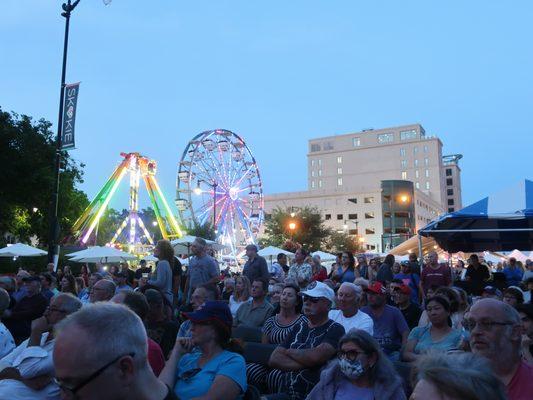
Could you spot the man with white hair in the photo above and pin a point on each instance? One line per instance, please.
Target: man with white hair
(347, 313)
(27, 372)
(103, 290)
(496, 334)
(116, 366)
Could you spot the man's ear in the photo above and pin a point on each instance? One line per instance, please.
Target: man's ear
(126, 366)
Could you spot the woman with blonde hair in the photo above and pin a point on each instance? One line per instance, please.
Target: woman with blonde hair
(241, 294)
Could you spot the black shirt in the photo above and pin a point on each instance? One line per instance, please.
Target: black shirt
(140, 271)
(256, 269)
(412, 315)
(170, 395)
(164, 334)
(478, 278)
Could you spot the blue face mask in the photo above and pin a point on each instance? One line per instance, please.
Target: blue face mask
(351, 369)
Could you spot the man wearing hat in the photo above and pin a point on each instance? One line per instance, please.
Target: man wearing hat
(491, 292)
(401, 295)
(310, 344)
(120, 278)
(390, 329)
(30, 307)
(256, 266)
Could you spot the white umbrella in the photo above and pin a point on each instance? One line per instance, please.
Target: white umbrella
(21, 250)
(102, 254)
(272, 251)
(183, 244)
(324, 256)
(150, 258)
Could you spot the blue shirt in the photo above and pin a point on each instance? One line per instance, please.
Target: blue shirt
(228, 364)
(513, 276)
(425, 342)
(349, 275)
(411, 280)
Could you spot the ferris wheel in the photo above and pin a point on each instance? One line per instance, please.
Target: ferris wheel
(219, 183)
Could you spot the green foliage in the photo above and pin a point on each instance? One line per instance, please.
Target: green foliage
(27, 179)
(309, 231)
(339, 241)
(205, 230)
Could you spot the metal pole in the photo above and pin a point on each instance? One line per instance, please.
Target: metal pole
(215, 207)
(54, 223)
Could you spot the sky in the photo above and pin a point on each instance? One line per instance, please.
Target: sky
(156, 73)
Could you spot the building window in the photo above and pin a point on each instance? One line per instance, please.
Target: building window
(315, 147)
(339, 171)
(415, 150)
(427, 185)
(425, 149)
(406, 135)
(451, 209)
(449, 181)
(404, 174)
(312, 184)
(312, 163)
(369, 200)
(320, 183)
(417, 185)
(340, 216)
(319, 172)
(386, 138)
(327, 146)
(427, 173)
(448, 172)
(404, 163)
(319, 162)
(417, 174)
(369, 215)
(352, 216)
(356, 142)
(416, 163)
(339, 160)
(313, 174)
(426, 161)
(370, 231)
(451, 202)
(450, 192)
(402, 152)
(339, 181)
(353, 200)
(352, 232)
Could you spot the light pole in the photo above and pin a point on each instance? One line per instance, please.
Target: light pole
(53, 250)
(292, 227)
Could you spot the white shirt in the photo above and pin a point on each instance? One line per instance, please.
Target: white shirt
(234, 305)
(360, 320)
(7, 344)
(31, 362)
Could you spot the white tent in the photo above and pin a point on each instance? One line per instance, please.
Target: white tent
(493, 257)
(150, 258)
(324, 256)
(101, 254)
(518, 255)
(272, 251)
(21, 250)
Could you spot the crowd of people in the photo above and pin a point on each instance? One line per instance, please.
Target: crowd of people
(365, 329)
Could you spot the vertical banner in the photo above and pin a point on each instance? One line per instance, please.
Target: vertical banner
(69, 115)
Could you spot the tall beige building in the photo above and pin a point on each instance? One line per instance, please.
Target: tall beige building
(381, 185)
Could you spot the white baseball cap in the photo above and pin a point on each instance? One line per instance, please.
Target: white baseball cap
(319, 289)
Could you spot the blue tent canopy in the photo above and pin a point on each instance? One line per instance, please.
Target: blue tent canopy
(501, 222)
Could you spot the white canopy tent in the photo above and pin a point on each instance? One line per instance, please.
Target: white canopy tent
(21, 250)
(273, 251)
(324, 256)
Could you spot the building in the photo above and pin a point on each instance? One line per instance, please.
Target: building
(380, 185)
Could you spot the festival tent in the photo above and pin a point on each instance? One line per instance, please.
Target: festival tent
(272, 251)
(324, 256)
(101, 254)
(411, 246)
(518, 255)
(183, 244)
(500, 222)
(21, 250)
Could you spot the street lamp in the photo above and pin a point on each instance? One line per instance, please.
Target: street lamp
(67, 8)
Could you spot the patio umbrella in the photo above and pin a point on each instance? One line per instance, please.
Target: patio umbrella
(21, 250)
(183, 244)
(101, 254)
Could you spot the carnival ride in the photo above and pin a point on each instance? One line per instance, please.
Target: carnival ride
(138, 167)
(219, 183)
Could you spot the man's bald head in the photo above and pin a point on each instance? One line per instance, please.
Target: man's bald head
(102, 290)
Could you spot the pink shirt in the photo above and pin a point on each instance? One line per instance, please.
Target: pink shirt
(521, 386)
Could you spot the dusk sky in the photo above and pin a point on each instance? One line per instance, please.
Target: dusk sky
(156, 73)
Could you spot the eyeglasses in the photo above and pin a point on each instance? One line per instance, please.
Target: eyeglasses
(350, 355)
(189, 374)
(71, 391)
(313, 300)
(470, 324)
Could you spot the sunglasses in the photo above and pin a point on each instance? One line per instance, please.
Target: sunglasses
(313, 300)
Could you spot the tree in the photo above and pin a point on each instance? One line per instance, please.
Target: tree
(338, 242)
(27, 179)
(205, 230)
(308, 229)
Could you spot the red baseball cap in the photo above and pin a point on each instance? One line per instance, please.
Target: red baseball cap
(377, 288)
(404, 289)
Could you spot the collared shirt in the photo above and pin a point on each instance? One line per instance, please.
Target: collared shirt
(248, 315)
(201, 270)
(7, 343)
(256, 268)
(276, 271)
(300, 272)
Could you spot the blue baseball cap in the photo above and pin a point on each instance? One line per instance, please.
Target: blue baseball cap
(217, 311)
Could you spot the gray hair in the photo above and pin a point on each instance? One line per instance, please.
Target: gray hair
(356, 288)
(460, 376)
(362, 282)
(383, 371)
(201, 242)
(114, 331)
(70, 303)
(4, 300)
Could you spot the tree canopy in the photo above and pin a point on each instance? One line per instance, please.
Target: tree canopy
(27, 179)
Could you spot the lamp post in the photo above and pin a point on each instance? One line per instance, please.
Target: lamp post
(53, 250)
(292, 227)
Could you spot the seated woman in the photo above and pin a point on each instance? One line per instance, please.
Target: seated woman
(438, 335)
(241, 294)
(214, 372)
(454, 299)
(361, 371)
(275, 331)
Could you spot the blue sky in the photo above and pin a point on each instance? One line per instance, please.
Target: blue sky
(156, 73)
